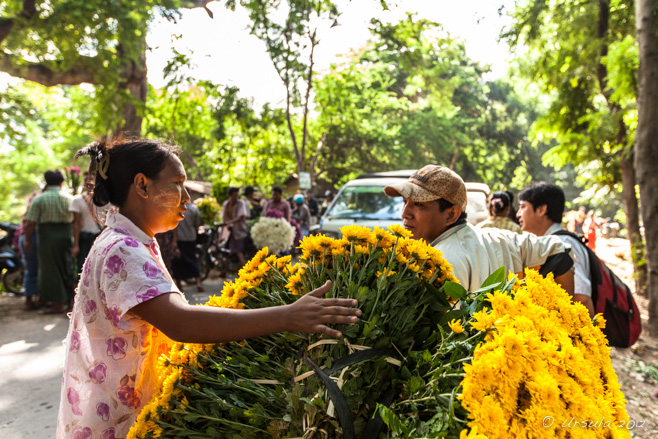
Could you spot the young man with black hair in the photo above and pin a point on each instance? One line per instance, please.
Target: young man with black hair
(541, 206)
(435, 210)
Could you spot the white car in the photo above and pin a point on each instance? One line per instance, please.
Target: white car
(362, 201)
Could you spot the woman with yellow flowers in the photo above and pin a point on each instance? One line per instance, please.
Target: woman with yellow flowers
(127, 306)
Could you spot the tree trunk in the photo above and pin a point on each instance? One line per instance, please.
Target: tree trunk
(633, 223)
(646, 145)
(136, 85)
(132, 110)
(626, 163)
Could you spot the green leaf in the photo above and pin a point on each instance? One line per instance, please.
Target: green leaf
(495, 280)
(454, 290)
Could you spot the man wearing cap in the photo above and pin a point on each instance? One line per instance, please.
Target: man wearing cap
(435, 210)
(252, 204)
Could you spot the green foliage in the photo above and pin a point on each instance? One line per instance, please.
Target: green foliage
(412, 97)
(74, 41)
(49, 127)
(586, 65)
(290, 35)
(182, 113)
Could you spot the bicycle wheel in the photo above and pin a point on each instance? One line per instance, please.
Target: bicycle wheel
(205, 264)
(13, 281)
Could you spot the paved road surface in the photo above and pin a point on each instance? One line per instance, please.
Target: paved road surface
(31, 364)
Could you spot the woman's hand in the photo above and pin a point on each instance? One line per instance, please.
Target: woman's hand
(312, 313)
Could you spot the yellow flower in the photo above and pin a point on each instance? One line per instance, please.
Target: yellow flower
(282, 262)
(402, 259)
(483, 320)
(324, 242)
(456, 326)
(398, 230)
(295, 284)
(355, 233)
(386, 240)
(546, 357)
(311, 248)
(290, 269)
(599, 321)
(473, 434)
(418, 249)
(340, 247)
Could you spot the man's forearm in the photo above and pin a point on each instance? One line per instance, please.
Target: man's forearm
(77, 228)
(30, 227)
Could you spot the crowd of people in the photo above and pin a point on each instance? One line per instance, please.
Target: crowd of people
(128, 304)
(59, 229)
(120, 270)
(55, 237)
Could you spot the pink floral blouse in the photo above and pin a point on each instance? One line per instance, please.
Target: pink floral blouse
(110, 352)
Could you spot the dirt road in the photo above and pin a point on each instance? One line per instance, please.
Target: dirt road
(31, 365)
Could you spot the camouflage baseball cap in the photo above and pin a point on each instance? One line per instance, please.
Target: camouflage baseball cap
(431, 183)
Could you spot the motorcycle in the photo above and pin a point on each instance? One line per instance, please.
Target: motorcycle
(11, 264)
(213, 251)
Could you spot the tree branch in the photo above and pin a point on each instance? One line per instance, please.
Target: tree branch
(7, 24)
(307, 98)
(45, 75)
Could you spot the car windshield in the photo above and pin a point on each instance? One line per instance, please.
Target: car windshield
(366, 202)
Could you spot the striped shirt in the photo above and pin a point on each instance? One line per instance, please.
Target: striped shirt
(52, 206)
(501, 222)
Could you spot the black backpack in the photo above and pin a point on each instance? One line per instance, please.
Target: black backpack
(613, 299)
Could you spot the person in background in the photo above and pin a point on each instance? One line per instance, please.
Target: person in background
(499, 207)
(168, 243)
(278, 203)
(254, 208)
(590, 226)
(128, 307)
(434, 210)
(576, 220)
(512, 210)
(30, 261)
(313, 206)
(541, 206)
(185, 263)
(301, 214)
(328, 198)
(85, 224)
(49, 215)
(234, 216)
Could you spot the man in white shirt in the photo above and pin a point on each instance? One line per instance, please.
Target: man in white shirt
(541, 206)
(435, 210)
(85, 225)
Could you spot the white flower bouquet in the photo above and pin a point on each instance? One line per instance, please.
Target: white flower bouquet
(274, 233)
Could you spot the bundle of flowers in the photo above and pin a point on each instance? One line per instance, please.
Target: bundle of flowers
(274, 233)
(540, 368)
(426, 359)
(74, 177)
(208, 209)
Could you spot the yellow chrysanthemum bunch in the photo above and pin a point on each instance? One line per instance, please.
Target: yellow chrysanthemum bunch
(543, 370)
(169, 366)
(384, 269)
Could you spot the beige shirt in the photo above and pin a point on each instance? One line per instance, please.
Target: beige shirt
(240, 229)
(476, 253)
